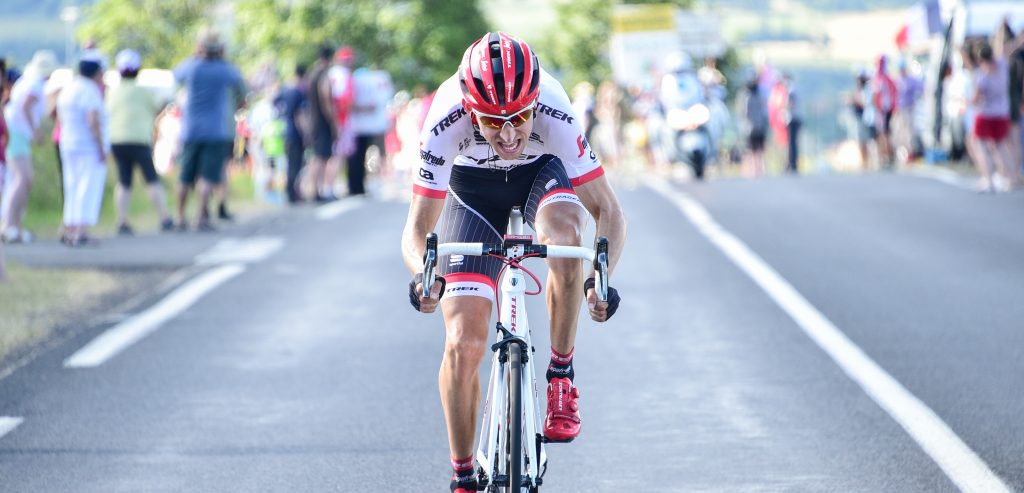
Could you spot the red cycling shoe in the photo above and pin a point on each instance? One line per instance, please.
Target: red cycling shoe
(562, 423)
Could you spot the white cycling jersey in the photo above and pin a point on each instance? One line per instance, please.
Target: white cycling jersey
(449, 138)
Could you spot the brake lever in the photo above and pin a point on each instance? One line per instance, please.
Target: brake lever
(601, 269)
(429, 263)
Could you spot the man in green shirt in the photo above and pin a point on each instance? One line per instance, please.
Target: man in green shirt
(133, 110)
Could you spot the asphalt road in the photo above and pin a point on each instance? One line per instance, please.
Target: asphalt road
(302, 368)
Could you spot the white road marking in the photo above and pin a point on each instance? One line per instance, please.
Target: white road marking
(245, 250)
(959, 462)
(123, 335)
(943, 175)
(334, 209)
(8, 424)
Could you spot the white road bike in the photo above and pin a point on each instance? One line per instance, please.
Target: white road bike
(510, 453)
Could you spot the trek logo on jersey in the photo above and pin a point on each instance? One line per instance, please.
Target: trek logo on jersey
(448, 121)
(431, 159)
(544, 109)
(426, 175)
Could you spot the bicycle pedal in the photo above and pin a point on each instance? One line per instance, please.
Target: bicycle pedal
(545, 439)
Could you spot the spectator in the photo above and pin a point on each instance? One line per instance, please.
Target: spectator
(24, 114)
(292, 106)
(791, 116)
(3, 155)
(208, 80)
(905, 134)
(608, 120)
(323, 126)
(133, 110)
(755, 122)
(343, 94)
(234, 150)
(864, 116)
(1016, 88)
(777, 106)
(583, 105)
(85, 142)
(991, 100)
(370, 121)
(885, 99)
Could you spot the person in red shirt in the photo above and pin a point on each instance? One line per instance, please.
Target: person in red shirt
(886, 97)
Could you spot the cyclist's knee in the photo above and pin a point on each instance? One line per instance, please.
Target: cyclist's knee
(466, 332)
(465, 351)
(560, 230)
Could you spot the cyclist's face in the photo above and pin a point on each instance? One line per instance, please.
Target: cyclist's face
(508, 142)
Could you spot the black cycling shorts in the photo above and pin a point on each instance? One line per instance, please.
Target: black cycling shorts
(477, 210)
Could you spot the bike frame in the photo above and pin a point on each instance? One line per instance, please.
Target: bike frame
(513, 317)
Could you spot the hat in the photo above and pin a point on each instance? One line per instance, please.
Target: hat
(43, 63)
(128, 60)
(345, 54)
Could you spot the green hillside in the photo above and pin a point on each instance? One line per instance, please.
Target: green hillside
(30, 25)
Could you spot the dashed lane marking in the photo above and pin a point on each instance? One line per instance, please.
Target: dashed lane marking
(956, 459)
(334, 209)
(121, 336)
(8, 424)
(247, 250)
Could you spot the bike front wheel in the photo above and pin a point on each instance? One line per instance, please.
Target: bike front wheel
(514, 425)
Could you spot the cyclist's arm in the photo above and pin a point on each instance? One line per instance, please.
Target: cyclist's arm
(423, 215)
(600, 200)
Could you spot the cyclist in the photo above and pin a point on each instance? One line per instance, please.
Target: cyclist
(501, 133)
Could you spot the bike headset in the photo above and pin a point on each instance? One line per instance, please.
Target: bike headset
(500, 77)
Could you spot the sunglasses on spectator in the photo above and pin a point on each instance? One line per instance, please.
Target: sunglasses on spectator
(496, 122)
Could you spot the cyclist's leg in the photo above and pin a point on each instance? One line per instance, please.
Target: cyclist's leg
(559, 218)
(466, 305)
(466, 319)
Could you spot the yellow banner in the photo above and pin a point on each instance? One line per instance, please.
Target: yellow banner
(647, 17)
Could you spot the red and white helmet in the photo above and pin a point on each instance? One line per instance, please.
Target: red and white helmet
(499, 75)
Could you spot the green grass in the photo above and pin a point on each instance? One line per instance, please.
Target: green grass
(43, 214)
(35, 301)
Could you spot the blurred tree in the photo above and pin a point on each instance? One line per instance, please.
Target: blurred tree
(417, 41)
(578, 48)
(162, 32)
(433, 37)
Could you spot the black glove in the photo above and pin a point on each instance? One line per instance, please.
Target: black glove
(414, 297)
(613, 296)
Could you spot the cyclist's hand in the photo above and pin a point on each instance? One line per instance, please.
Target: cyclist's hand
(425, 304)
(601, 311)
